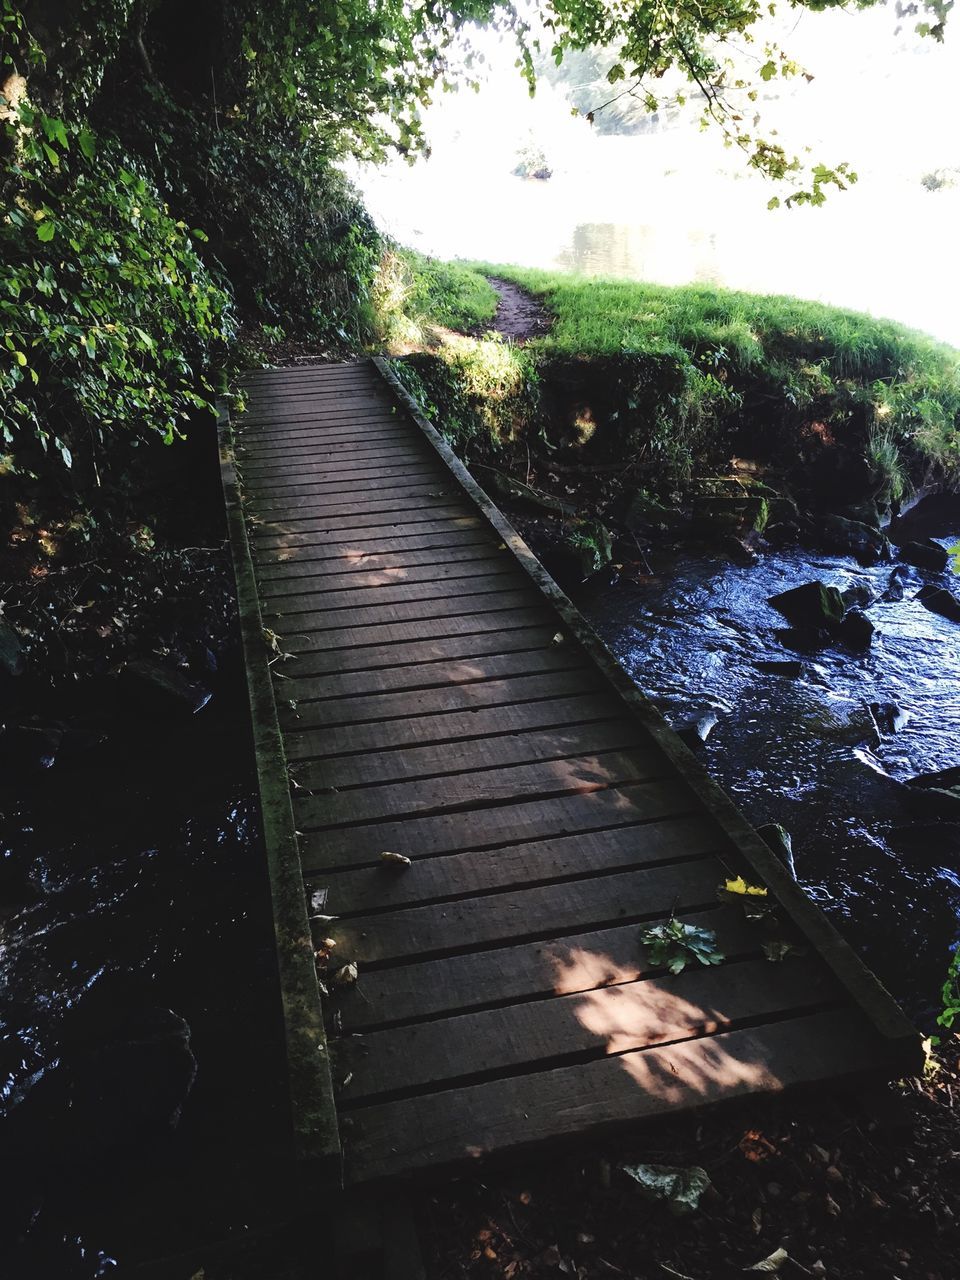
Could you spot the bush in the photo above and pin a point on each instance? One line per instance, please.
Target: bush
(285, 227)
(111, 322)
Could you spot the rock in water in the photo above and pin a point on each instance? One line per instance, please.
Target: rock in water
(778, 839)
(789, 668)
(935, 794)
(940, 600)
(11, 651)
(835, 533)
(925, 554)
(888, 716)
(696, 731)
(857, 596)
(856, 630)
(159, 690)
(814, 606)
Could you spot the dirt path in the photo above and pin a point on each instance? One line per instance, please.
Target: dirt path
(520, 316)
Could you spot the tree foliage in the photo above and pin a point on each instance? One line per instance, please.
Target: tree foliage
(127, 123)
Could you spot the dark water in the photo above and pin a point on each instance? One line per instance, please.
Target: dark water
(147, 904)
(804, 752)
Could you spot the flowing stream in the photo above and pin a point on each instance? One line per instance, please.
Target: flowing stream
(805, 751)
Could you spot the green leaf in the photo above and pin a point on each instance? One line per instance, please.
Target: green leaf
(51, 154)
(46, 229)
(768, 71)
(87, 142)
(773, 202)
(679, 1189)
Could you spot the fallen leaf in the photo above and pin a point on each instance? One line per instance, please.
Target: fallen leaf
(740, 886)
(776, 949)
(345, 975)
(772, 1264)
(679, 1189)
(397, 859)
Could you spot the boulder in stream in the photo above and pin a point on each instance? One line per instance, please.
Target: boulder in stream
(856, 630)
(777, 839)
(812, 607)
(935, 794)
(161, 691)
(925, 554)
(851, 537)
(940, 600)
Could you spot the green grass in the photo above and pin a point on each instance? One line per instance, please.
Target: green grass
(802, 354)
(412, 294)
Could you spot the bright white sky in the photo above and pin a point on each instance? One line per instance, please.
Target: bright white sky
(675, 206)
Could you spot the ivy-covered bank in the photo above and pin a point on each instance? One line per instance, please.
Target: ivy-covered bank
(717, 412)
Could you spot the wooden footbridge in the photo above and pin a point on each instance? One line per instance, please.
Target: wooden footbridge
(421, 687)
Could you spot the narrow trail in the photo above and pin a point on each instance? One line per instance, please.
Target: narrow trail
(520, 316)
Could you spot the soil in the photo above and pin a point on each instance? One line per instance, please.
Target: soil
(850, 1188)
(520, 316)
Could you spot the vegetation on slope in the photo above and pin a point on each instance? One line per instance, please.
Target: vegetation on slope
(675, 380)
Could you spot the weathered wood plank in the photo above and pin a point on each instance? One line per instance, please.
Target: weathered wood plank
(391, 496)
(530, 631)
(365, 536)
(341, 772)
(446, 543)
(424, 566)
(384, 708)
(539, 911)
(571, 775)
(322, 625)
(610, 1019)
(316, 480)
(574, 962)
(459, 1125)
(487, 613)
(573, 857)
(447, 726)
(503, 824)
(462, 585)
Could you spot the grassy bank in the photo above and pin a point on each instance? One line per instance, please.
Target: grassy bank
(673, 382)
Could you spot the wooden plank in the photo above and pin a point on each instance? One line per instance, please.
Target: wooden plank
(503, 824)
(536, 657)
(567, 775)
(463, 585)
(274, 530)
(317, 479)
(391, 508)
(309, 435)
(342, 772)
(368, 535)
(446, 727)
(324, 628)
(340, 559)
(407, 993)
(540, 911)
(610, 1019)
(383, 708)
(460, 1125)
(360, 463)
(532, 631)
(428, 566)
(574, 857)
(397, 494)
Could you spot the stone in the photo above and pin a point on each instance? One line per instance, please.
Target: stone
(925, 554)
(720, 515)
(937, 515)
(851, 537)
(11, 651)
(159, 690)
(935, 794)
(858, 596)
(856, 631)
(814, 605)
(940, 600)
(789, 668)
(777, 839)
(509, 489)
(890, 717)
(637, 511)
(27, 747)
(895, 590)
